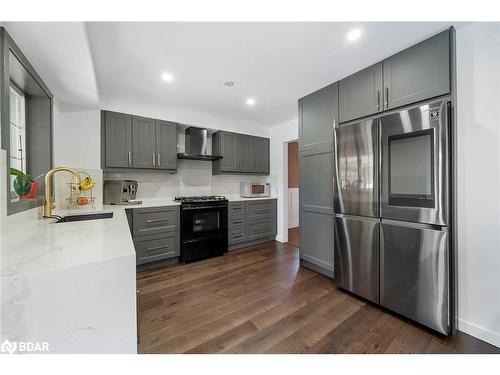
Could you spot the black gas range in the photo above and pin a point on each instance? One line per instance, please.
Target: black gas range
(203, 227)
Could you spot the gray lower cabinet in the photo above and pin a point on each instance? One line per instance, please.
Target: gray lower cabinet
(418, 73)
(154, 247)
(361, 94)
(144, 142)
(155, 232)
(250, 222)
(117, 140)
(135, 142)
(240, 154)
(317, 112)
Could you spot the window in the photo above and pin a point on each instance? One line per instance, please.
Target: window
(17, 157)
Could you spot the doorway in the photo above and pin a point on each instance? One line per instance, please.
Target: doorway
(293, 194)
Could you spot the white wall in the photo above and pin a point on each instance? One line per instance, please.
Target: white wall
(293, 207)
(77, 139)
(280, 135)
(478, 66)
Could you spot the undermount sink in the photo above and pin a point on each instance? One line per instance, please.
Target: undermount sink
(83, 217)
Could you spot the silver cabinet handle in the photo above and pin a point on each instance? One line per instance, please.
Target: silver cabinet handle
(238, 222)
(386, 97)
(152, 221)
(261, 229)
(334, 124)
(157, 247)
(378, 100)
(262, 210)
(158, 158)
(154, 163)
(129, 158)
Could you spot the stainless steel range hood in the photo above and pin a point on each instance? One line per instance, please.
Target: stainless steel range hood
(196, 145)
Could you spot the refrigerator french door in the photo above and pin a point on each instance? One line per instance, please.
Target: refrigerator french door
(356, 204)
(414, 199)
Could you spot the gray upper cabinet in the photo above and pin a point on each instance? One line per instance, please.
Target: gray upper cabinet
(240, 153)
(361, 94)
(118, 140)
(418, 73)
(144, 142)
(318, 113)
(227, 143)
(244, 153)
(166, 145)
(261, 150)
(136, 142)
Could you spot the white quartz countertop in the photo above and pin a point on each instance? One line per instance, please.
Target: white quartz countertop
(237, 198)
(29, 243)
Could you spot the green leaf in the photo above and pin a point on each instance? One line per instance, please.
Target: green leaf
(16, 172)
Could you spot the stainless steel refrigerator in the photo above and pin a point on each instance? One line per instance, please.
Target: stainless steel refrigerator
(392, 212)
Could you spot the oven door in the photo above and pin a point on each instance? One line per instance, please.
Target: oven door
(414, 154)
(200, 222)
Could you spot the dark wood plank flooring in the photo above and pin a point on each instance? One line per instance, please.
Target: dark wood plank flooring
(259, 300)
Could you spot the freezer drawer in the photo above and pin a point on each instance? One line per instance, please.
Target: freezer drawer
(414, 272)
(356, 169)
(357, 255)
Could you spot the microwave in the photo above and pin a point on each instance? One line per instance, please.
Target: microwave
(255, 189)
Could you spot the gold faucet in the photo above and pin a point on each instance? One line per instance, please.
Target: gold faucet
(48, 206)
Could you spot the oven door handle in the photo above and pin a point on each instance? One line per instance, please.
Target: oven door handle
(203, 208)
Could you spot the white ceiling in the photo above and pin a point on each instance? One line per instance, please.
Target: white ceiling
(94, 64)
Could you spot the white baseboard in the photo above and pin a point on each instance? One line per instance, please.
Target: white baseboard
(293, 224)
(479, 332)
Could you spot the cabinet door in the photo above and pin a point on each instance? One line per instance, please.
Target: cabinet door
(316, 208)
(166, 145)
(244, 153)
(361, 93)
(144, 135)
(261, 155)
(418, 73)
(228, 152)
(118, 140)
(318, 114)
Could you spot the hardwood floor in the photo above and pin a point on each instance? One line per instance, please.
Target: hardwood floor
(294, 237)
(259, 300)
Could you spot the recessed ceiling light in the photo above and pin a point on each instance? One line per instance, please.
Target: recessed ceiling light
(167, 77)
(250, 102)
(354, 35)
(229, 83)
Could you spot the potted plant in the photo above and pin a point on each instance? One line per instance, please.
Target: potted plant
(24, 186)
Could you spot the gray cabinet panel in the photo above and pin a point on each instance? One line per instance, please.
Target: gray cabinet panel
(118, 136)
(318, 115)
(166, 145)
(418, 73)
(261, 209)
(244, 153)
(261, 155)
(144, 137)
(236, 235)
(316, 239)
(155, 220)
(316, 181)
(361, 93)
(156, 247)
(256, 229)
(228, 150)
